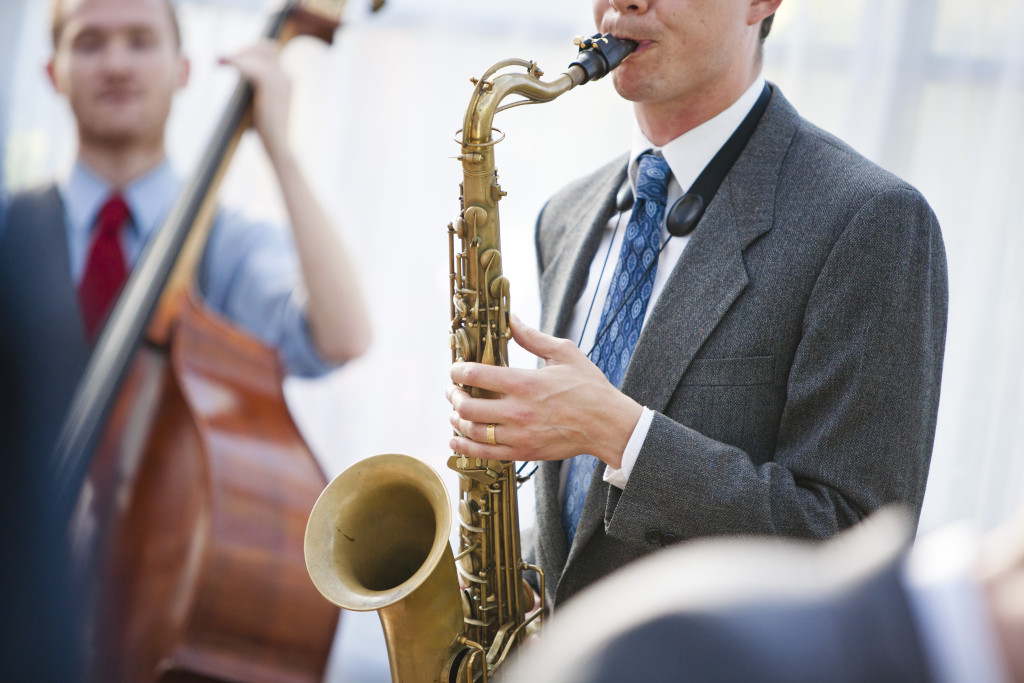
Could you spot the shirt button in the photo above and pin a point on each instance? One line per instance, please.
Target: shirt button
(654, 536)
(668, 538)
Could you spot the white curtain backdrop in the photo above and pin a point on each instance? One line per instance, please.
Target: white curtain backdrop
(931, 89)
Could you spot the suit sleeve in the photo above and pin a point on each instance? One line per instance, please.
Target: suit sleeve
(861, 398)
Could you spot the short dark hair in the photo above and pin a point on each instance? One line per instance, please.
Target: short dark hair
(57, 21)
(766, 26)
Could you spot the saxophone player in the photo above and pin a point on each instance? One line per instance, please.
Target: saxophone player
(766, 363)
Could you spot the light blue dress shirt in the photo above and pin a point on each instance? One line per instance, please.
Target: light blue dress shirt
(249, 274)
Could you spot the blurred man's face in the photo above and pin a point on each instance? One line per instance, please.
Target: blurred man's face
(688, 49)
(118, 63)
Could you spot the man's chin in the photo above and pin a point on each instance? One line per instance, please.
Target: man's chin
(628, 85)
(115, 135)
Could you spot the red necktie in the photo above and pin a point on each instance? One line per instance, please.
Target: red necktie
(105, 269)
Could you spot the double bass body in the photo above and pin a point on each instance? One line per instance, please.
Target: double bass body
(207, 484)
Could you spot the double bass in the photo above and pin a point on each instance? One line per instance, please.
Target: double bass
(185, 480)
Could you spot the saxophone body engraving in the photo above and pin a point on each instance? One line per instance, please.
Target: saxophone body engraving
(377, 538)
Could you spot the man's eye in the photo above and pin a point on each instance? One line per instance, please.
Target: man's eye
(88, 42)
(142, 41)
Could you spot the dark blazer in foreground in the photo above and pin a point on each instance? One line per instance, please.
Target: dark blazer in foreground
(751, 610)
(793, 359)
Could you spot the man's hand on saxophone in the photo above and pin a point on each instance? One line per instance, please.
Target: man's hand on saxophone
(565, 408)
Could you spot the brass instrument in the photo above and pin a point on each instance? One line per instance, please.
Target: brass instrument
(377, 539)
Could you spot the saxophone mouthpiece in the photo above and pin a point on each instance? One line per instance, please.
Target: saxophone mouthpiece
(599, 54)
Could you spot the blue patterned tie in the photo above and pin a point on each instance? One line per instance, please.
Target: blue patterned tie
(623, 317)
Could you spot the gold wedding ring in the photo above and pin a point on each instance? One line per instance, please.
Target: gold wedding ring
(490, 435)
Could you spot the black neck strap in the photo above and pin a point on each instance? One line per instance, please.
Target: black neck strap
(687, 211)
(684, 215)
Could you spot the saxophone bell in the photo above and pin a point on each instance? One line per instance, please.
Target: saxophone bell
(377, 539)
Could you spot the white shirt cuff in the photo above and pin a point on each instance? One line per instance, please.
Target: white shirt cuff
(619, 477)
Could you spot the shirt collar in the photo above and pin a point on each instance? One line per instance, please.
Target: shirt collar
(688, 154)
(84, 193)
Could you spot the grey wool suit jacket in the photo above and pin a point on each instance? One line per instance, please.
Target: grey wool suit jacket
(792, 360)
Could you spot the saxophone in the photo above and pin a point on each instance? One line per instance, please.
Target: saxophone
(377, 538)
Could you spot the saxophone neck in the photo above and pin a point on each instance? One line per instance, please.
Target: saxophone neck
(492, 90)
(598, 55)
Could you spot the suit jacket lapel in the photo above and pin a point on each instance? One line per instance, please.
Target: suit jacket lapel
(551, 540)
(705, 282)
(566, 274)
(562, 281)
(711, 274)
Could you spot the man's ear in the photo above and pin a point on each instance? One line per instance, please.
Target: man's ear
(185, 70)
(51, 74)
(761, 9)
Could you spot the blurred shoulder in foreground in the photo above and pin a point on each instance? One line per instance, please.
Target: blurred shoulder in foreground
(866, 606)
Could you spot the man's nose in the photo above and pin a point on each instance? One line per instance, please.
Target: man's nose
(117, 56)
(629, 6)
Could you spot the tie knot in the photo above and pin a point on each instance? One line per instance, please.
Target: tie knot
(112, 214)
(652, 178)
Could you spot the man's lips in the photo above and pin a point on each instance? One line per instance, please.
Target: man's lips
(641, 44)
(118, 95)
